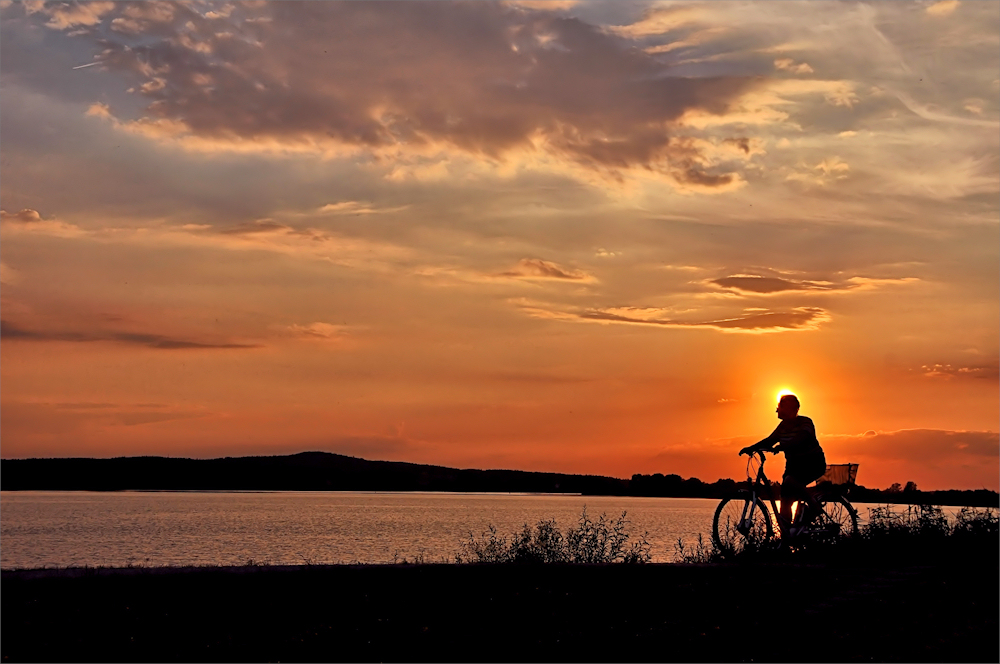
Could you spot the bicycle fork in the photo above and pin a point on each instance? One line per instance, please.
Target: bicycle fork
(746, 519)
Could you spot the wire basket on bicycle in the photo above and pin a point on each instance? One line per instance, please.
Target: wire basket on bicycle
(839, 476)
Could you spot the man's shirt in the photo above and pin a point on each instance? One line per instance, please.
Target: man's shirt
(797, 438)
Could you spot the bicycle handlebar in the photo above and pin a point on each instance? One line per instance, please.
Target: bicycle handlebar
(759, 452)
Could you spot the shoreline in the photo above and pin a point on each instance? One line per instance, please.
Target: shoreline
(922, 611)
(965, 497)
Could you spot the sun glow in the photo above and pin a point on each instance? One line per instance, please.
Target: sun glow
(782, 392)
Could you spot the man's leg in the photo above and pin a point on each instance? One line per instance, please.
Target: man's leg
(814, 508)
(792, 490)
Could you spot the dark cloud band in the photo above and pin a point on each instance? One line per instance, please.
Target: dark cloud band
(483, 78)
(10, 332)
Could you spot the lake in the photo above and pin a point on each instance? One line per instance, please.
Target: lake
(70, 528)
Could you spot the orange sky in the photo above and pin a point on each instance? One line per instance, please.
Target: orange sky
(594, 237)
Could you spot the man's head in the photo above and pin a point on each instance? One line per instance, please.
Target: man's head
(788, 406)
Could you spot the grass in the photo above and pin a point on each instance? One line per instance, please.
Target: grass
(890, 533)
(602, 541)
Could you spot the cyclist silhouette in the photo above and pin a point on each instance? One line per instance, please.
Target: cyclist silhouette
(804, 461)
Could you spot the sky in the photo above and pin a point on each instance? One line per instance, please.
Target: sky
(581, 237)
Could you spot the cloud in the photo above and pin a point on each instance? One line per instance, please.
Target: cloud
(765, 285)
(260, 234)
(538, 269)
(942, 8)
(544, 5)
(319, 331)
(65, 15)
(828, 170)
(928, 112)
(787, 64)
(500, 83)
(662, 20)
(25, 216)
(8, 275)
(47, 422)
(797, 319)
(261, 226)
(936, 459)
(761, 285)
(926, 444)
(974, 105)
(533, 271)
(770, 103)
(990, 371)
(750, 321)
(30, 222)
(356, 207)
(277, 236)
(11, 332)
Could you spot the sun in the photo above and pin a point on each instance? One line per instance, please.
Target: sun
(782, 392)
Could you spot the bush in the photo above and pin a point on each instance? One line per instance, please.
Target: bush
(975, 523)
(916, 532)
(923, 532)
(928, 521)
(602, 541)
(884, 523)
(699, 553)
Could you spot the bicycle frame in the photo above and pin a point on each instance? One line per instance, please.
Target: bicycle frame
(736, 517)
(760, 487)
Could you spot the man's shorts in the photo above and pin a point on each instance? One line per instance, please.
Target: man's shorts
(806, 470)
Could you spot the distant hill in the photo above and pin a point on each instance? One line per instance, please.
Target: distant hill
(323, 471)
(307, 471)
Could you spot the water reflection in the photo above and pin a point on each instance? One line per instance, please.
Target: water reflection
(195, 528)
(42, 528)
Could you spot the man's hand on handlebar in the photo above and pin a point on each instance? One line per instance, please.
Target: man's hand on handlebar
(753, 449)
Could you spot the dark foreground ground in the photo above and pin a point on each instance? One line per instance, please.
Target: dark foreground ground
(935, 611)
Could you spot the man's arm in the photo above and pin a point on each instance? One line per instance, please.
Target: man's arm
(764, 445)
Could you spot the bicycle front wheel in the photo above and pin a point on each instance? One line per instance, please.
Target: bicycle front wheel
(741, 524)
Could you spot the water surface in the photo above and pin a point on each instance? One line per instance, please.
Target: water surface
(50, 528)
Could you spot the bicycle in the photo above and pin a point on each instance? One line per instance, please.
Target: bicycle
(742, 521)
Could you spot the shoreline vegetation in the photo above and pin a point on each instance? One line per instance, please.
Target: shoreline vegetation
(923, 601)
(324, 471)
(925, 586)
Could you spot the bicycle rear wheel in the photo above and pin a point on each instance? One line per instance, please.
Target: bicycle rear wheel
(839, 517)
(740, 525)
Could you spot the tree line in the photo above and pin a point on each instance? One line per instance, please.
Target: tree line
(674, 486)
(322, 471)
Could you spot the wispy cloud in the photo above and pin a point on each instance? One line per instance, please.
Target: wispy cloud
(260, 234)
(764, 285)
(788, 64)
(8, 275)
(990, 371)
(534, 269)
(318, 331)
(357, 207)
(754, 321)
(43, 420)
(919, 444)
(942, 8)
(12, 332)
